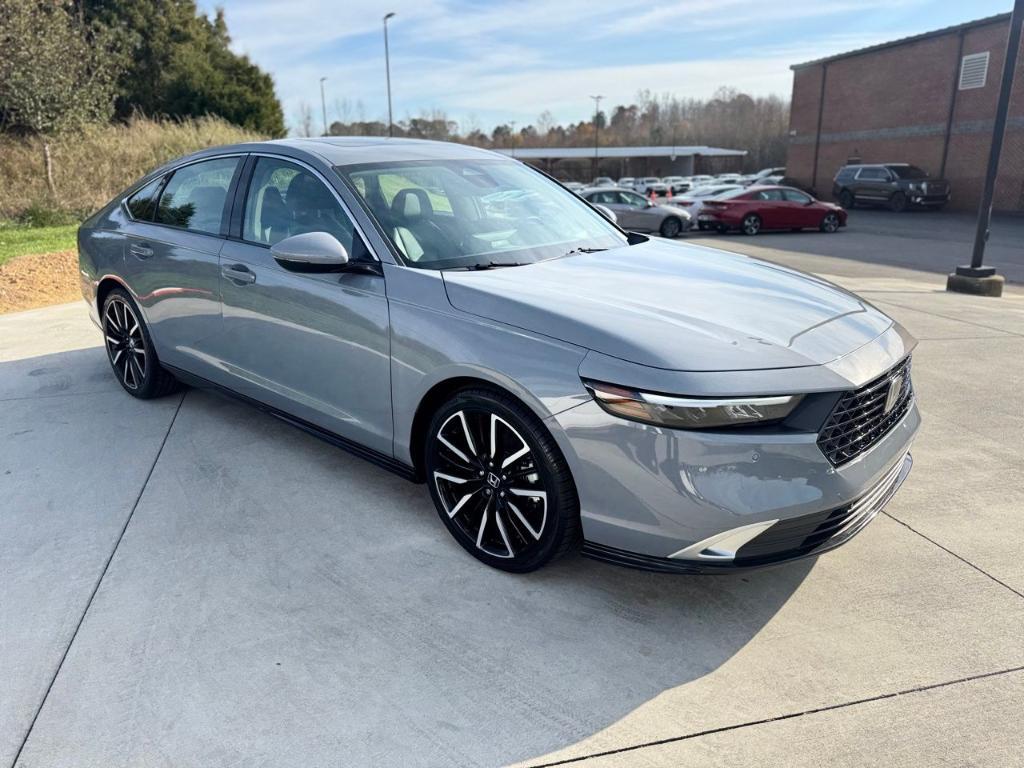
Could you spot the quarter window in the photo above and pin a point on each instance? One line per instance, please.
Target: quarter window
(142, 205)
(769, 194)
(284, 199)
(195, 195)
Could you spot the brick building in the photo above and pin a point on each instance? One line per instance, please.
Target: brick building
(929, 100)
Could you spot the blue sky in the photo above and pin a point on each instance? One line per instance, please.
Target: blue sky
(484, 63)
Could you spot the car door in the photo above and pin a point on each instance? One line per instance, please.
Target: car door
(802, 212)
(638, 212)
(312, 343)
(775, 213)
(171, 262)
(872, 183)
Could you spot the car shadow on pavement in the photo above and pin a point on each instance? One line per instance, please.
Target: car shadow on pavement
(274, 591)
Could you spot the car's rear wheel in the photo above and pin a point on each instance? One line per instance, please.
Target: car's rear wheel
(898, 202)
(846, 199)
(830, 223)
(671, 227)
(751, 224)
(130, 349)
(499, 482)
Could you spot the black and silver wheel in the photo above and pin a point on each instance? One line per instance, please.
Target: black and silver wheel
(846, 199)
(830, 223)
(671, 227)
(898, 202)
(130, 349)
(499, 482)
(751, 224)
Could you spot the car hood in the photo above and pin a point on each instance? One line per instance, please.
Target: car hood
(675, 306)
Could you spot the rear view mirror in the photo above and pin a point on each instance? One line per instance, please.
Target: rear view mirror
(311, 249)
(608, 213)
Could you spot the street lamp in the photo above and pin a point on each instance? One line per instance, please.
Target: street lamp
(387, 71)
(975, 277)
(323, 103)
(597, 129)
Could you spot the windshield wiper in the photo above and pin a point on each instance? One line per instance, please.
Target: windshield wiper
(585, 250)
(498, 264)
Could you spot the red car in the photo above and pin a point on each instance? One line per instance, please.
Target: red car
(752, 209)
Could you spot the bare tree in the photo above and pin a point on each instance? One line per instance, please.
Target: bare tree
(304, 120)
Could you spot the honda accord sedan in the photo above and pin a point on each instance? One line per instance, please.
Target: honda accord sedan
(755, 209)
(465, 321)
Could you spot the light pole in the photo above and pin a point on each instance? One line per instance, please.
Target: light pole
(974, 277)
(387, 71)
(597, 130)
(323, 103)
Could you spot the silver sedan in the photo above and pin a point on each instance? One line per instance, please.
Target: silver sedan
(636, 213)
(460, 319)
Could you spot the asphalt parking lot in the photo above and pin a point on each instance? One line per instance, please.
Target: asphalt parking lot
(189, 582)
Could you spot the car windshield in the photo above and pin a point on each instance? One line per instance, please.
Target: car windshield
(908, 172)
(444, 214)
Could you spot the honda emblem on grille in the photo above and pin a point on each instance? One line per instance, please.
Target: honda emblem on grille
(893, 396)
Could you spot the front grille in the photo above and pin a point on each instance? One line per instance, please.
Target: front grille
(860, 419)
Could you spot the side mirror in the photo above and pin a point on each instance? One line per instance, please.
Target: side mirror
(608, 213)
(310, 249)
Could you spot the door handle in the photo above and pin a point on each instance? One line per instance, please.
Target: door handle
(141, 250)
(238, 273)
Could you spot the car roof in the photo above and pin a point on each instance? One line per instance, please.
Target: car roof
(353, 150)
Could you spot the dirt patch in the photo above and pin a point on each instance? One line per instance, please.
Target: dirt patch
(27, 282)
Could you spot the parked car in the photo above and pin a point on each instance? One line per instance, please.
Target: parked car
(464, 321)
(755, 209)
(728, 178)
(636, 213)
(651, 185)
(603, 181)
(895, 185)
(700, 180)
(626, 182)
(764, 175)
(693, 201)
(676, 184)
(573, 186)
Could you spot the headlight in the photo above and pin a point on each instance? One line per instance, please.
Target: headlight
(690, 412)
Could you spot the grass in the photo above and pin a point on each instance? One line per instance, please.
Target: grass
(22, 241)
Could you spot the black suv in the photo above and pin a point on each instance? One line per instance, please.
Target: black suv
(896, 185)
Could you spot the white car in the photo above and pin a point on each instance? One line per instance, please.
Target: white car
(676, 184)
(700, 180)
(603, 181)
(649, 184)
(626, 182)
(693, 201)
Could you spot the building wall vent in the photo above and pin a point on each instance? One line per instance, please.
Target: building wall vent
(974, 71)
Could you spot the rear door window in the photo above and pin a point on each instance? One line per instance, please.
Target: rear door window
(194, 197)
(769, 194)
(873, 174)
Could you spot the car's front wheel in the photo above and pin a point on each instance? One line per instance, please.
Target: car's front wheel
(898, 202)
(830, 223)
(751, 224)
(130, 349)
(671, 227)
(499, 481)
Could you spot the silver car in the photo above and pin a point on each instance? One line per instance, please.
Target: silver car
(457, 317)
(636, 213)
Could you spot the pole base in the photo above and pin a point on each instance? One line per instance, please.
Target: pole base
(983, 285)
(969, 271)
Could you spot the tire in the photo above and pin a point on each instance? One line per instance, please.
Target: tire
(671, 227)
(473, 492)
(898, 202)
(130, 349)
(830, 223)
(846, 199)
(751, 224)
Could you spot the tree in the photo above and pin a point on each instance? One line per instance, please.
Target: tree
(56, 73)
(178, 63)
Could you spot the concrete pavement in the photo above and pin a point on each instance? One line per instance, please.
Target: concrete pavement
(191, 583)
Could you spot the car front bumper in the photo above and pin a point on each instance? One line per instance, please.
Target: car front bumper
(671, 500)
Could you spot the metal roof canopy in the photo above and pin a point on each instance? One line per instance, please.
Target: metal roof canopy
(588, 153)
(997, 19)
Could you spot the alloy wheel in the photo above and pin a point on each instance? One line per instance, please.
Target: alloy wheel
(489, 483)
(830, 223)
(126, 346)
(751, 225)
